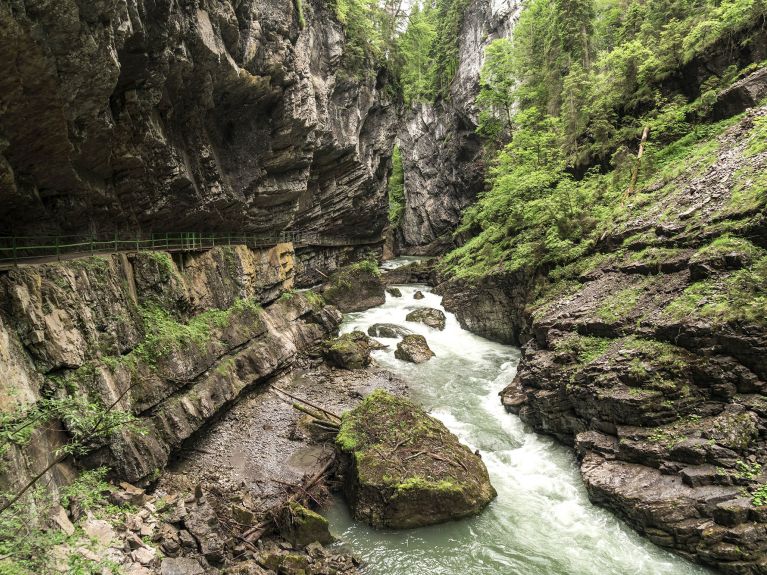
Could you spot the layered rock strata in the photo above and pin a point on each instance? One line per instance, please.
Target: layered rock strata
(174, 341)
(133, 116)
(648, 355)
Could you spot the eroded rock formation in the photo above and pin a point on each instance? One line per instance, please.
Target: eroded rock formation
(441, 152)
(126, 115)
(648, 356)
(173, 342)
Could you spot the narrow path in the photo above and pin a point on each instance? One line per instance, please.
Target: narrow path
(28, 250)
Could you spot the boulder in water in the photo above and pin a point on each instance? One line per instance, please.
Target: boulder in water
(418, 295)
(356, 287)
(405, 469)
(394, 292)
(388, 330)
(351, 350)
(413, 348)
(429, 316)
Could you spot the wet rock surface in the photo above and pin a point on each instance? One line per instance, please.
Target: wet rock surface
(413, 348)
(434, 318)
(427, 476)
(388, 330)
(351, 350)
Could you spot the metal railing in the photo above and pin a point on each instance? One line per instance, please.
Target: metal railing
(28, 249)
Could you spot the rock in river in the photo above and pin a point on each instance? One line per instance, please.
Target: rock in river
(394, 292)
(405, 469)
(356, 287)
(351, 350)
(429, 316)
(413, 348)
(418, 295)
(388, 330)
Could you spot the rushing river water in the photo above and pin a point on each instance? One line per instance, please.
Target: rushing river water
(542, 522)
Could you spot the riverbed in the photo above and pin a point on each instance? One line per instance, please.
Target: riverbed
(542, 522)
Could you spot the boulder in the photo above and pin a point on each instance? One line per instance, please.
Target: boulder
(426, 477)
(355, 288)
(418, 295)
(413, 348)
(394, 292)
(302, 526)
(350, 351)
(429, 316)
(388, 330)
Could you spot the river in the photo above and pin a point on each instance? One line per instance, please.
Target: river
(542, 522)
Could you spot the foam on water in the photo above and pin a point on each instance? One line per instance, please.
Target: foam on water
(542, 522)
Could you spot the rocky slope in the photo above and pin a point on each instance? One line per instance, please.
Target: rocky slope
(441, 153)
(126, 115)
(648, 356)
(173, 342)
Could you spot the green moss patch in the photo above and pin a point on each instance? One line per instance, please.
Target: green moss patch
(407, 469)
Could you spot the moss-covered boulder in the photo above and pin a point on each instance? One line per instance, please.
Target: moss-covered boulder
(418, 295)
(413, 348)
(394, 292)
(350, 351)
(428, 316)
(405, 469)
(355, 288)
(302, 526)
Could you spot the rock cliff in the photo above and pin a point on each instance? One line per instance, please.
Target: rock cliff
(441, 153)
(172, 341)
(131, 115)
(648, 355)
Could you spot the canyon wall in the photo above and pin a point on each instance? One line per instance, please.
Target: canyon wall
(441, 152)
(648, 353)
(141, 115)
(172, 340)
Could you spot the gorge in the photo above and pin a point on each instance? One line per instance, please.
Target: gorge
(575, 190)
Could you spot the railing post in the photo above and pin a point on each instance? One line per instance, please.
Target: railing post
(58, 255)
(115, 241)
(15, 257)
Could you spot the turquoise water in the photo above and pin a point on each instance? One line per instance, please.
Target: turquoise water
(542, 522)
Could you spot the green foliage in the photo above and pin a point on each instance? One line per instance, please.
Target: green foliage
(396, 188)
(27, 542)
(428, 49)
(371, 28)
(759, 496)
(618, 305)
(164, 334)
(585, 349)
(574, 89)
(739, 296)
(299, 5)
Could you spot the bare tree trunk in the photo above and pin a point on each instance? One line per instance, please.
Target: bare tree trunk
(637, 165)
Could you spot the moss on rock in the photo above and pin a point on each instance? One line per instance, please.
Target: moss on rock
(406, 469)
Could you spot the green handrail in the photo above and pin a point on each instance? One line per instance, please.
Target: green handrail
(20, 249)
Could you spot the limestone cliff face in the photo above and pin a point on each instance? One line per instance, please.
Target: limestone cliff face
(173, 341)
(441, 153)
(200, 114)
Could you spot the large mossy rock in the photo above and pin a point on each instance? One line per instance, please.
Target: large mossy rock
(429, 316)
(413, 348)
(356, 288)
(405, 468)
(351, 350)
